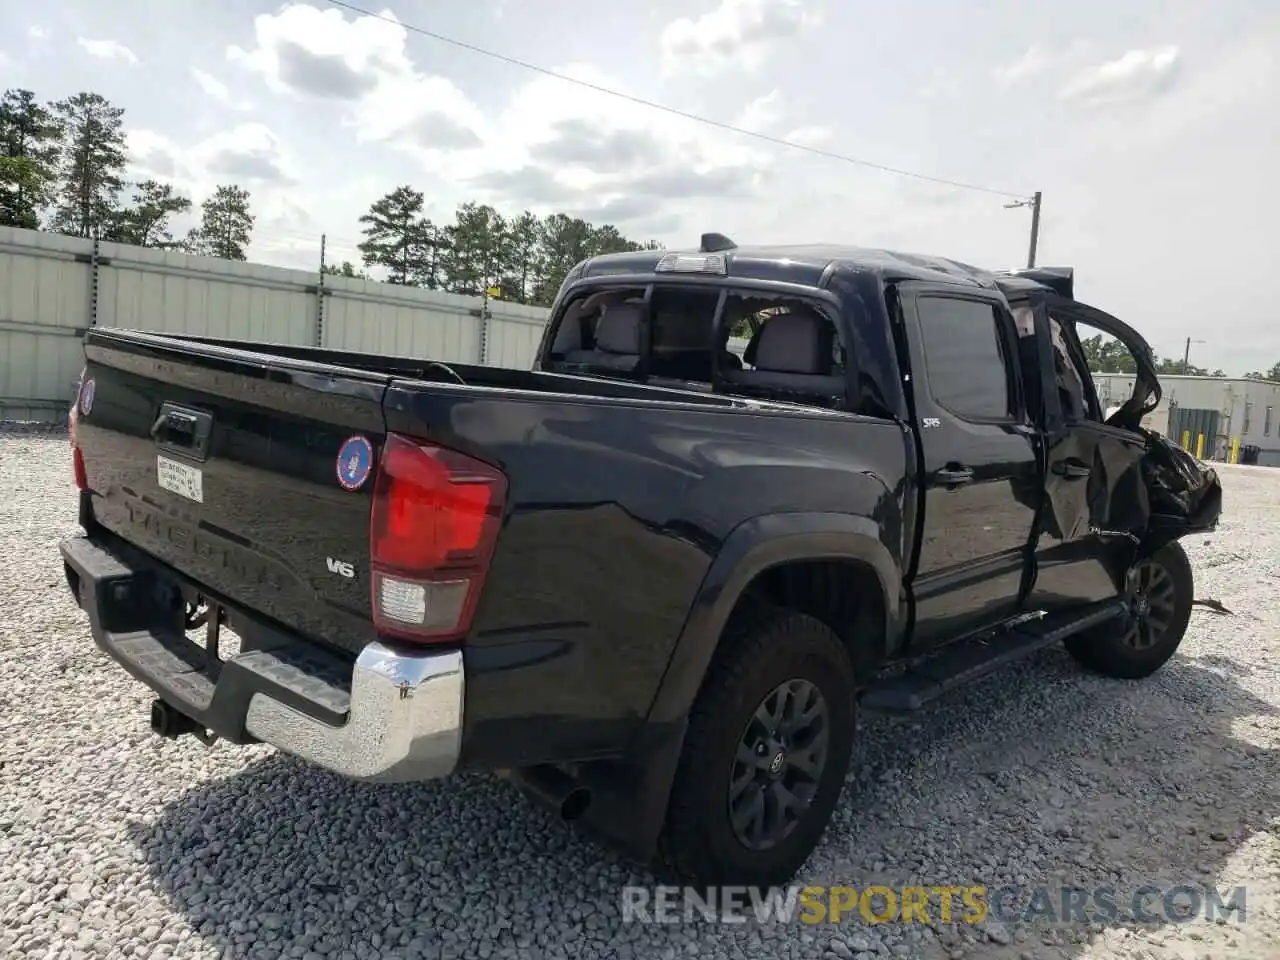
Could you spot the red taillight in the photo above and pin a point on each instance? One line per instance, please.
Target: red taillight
(82, 478)
(73, 420)
(432, 531)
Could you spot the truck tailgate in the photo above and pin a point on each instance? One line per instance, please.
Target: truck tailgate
(251, 474)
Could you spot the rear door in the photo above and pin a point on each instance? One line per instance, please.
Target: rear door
(251, 474)
(980, 470)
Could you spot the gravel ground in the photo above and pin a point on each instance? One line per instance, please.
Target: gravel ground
(114, 843)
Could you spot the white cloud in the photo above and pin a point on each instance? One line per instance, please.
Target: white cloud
(361, 64)
(1138, 75)
(249, 154)
(108, 50)
(216, 90)
(738, 34)
(37, 32)
(211, 85)
(762, 113)
(555, 145)
(1033, 61)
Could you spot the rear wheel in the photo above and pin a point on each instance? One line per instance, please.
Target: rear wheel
(764, 757)
(1159, 592)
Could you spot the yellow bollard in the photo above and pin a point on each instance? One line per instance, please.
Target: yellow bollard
(1186, 439)
(1199, 446)
(1235, 449)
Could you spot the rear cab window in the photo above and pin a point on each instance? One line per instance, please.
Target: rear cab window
(678, 335)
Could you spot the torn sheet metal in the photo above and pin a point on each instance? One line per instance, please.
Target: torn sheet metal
(1186, 494)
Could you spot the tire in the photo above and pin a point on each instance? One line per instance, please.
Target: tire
(1160, 591)
(700, 844)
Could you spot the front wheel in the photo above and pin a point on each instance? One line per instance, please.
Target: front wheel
(764, 757)
(1159, 592)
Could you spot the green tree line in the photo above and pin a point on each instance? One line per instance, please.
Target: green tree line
(523, 258)
(62, 168)
(1106, 354)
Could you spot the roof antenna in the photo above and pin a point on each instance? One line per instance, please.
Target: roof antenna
(715, 242)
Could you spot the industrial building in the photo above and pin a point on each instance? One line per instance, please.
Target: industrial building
(1222, 410)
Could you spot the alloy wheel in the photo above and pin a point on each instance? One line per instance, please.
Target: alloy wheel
(778, 764)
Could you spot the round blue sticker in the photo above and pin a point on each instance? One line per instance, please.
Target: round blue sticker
(355, 462)
(86, 396)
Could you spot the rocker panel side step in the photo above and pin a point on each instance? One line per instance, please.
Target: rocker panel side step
(970, 660)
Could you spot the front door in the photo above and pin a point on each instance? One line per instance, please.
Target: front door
(1096, 505)
(981, 472)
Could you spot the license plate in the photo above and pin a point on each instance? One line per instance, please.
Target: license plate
(180, 478)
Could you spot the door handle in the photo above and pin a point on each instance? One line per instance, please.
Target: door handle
(954, 475)
(1072, 471)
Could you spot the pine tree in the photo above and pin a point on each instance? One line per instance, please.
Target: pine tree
(29, 146)
(427, 251)
(478, 244)
(397, 238)
(146, 222)
(566, 241)
(523, 256)
(226, 225)
(92, 163)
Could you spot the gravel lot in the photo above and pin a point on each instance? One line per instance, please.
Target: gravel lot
(114, 843)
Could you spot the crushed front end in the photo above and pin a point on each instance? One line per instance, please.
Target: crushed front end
(1185, 493)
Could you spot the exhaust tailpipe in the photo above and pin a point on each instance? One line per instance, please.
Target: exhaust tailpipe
(554, 790)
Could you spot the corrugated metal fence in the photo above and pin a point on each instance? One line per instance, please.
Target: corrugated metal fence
(53, 288)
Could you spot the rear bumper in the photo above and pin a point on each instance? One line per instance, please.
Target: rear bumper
(394, 715)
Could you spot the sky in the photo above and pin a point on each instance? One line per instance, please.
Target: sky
(1151, 128)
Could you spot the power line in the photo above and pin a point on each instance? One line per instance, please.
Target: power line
(652, 105)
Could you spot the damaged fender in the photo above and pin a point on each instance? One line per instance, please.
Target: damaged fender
(1185, 493)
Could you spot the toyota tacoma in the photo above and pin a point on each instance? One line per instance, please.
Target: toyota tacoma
(653, 580)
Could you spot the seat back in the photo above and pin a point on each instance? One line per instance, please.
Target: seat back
(792, 352)
(617, 338)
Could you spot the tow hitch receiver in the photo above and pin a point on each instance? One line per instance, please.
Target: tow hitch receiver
(172, 723)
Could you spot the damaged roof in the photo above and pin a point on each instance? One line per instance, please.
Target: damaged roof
(806, 264)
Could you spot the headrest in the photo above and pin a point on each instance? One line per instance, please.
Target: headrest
(793, 343)
(618, 330)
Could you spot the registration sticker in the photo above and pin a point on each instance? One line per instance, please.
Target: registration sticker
(355, 462)
(180, 478)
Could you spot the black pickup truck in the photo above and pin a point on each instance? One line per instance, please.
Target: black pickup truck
(652, 580)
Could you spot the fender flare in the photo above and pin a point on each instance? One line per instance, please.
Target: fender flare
(754, 546)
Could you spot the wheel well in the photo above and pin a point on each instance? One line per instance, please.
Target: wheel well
(844, 594)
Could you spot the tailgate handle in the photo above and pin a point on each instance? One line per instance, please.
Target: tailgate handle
(173, 422)
(183, 429)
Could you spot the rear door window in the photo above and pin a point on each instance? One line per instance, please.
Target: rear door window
(966, 357)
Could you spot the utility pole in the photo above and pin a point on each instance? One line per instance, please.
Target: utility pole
(1035, 229)
(1034, 203)
(1186, 355)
